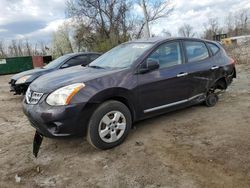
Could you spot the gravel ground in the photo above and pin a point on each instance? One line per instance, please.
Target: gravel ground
(194, 147)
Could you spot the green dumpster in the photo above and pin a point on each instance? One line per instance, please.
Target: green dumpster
(15, 64)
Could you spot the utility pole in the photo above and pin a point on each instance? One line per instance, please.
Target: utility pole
(146, 18)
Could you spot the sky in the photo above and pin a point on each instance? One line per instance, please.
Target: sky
(37, 19)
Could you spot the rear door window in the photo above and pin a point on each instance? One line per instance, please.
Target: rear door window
(195, 51)
(214, 48)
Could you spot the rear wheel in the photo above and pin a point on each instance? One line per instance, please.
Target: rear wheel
(211, 99)
(109, 125)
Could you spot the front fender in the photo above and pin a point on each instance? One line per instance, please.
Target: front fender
(120, 94)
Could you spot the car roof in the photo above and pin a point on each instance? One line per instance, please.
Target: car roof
(156, 40)
(82, 53)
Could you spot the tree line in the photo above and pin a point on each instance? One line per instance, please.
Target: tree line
(99, 25)
(16, 48)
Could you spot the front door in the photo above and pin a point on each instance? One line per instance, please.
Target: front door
(168, 85)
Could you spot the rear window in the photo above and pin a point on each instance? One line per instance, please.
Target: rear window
(196, 51)
(214, 48)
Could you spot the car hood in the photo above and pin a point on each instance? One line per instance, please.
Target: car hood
(34, 72)
(60, 78)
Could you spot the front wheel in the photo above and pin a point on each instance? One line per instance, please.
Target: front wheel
(109, 125)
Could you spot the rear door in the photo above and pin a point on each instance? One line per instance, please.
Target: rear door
(168, 85)
(199, 64)
(217, 60)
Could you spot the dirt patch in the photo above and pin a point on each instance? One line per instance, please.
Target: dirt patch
(193, 147)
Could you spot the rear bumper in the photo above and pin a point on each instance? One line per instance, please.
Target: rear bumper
(229, 78)
(18, 89)
(57, 121)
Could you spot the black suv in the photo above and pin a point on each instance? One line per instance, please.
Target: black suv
(20, 82)
(133, 81)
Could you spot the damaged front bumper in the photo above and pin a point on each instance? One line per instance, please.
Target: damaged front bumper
(18, 89)
(38, 138)
(52, 122)
(58, 121)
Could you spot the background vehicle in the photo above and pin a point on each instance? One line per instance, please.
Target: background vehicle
(20, 82)
(133, 81)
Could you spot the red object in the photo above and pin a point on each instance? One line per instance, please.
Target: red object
(37, 61)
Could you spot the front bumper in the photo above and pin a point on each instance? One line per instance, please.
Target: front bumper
(56, 121)
(18, 89)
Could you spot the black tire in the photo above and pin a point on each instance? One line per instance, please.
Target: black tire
(211, 100)
(93, 136)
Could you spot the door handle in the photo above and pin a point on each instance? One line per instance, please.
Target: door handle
(214, 67)
(182, 74)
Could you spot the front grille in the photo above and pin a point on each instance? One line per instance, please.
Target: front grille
(32, 97)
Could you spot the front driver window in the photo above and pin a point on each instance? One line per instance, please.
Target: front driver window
(167, 54)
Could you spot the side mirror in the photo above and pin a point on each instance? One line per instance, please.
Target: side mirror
(149, 65)
(64, 66)
(152, 64)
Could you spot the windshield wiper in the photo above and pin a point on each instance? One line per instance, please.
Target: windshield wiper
(96, 67)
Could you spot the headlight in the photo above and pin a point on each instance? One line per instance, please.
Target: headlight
(23, 79)
(62, 96)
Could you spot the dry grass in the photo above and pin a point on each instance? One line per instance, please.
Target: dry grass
(239, 52)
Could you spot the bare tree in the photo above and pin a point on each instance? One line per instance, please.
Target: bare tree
(111, 22)
(61, 42)
(229, 25)
(3, 52)
(143, 5)
(238, 23)
(153, 11)
(28, 48)
(83, 37)
(241, 19)
(102, 15)
(20, 48)
(16, 48)
(106, 22)
(212, 28)
(43, 48)
(166, 33)
(186, 30)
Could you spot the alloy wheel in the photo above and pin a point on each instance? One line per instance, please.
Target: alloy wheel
(112, 126)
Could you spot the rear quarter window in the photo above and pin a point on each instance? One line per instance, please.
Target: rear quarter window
(195, 51)
(214, 48)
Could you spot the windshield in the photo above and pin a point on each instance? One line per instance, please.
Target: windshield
(121, 56)
(55, 63)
